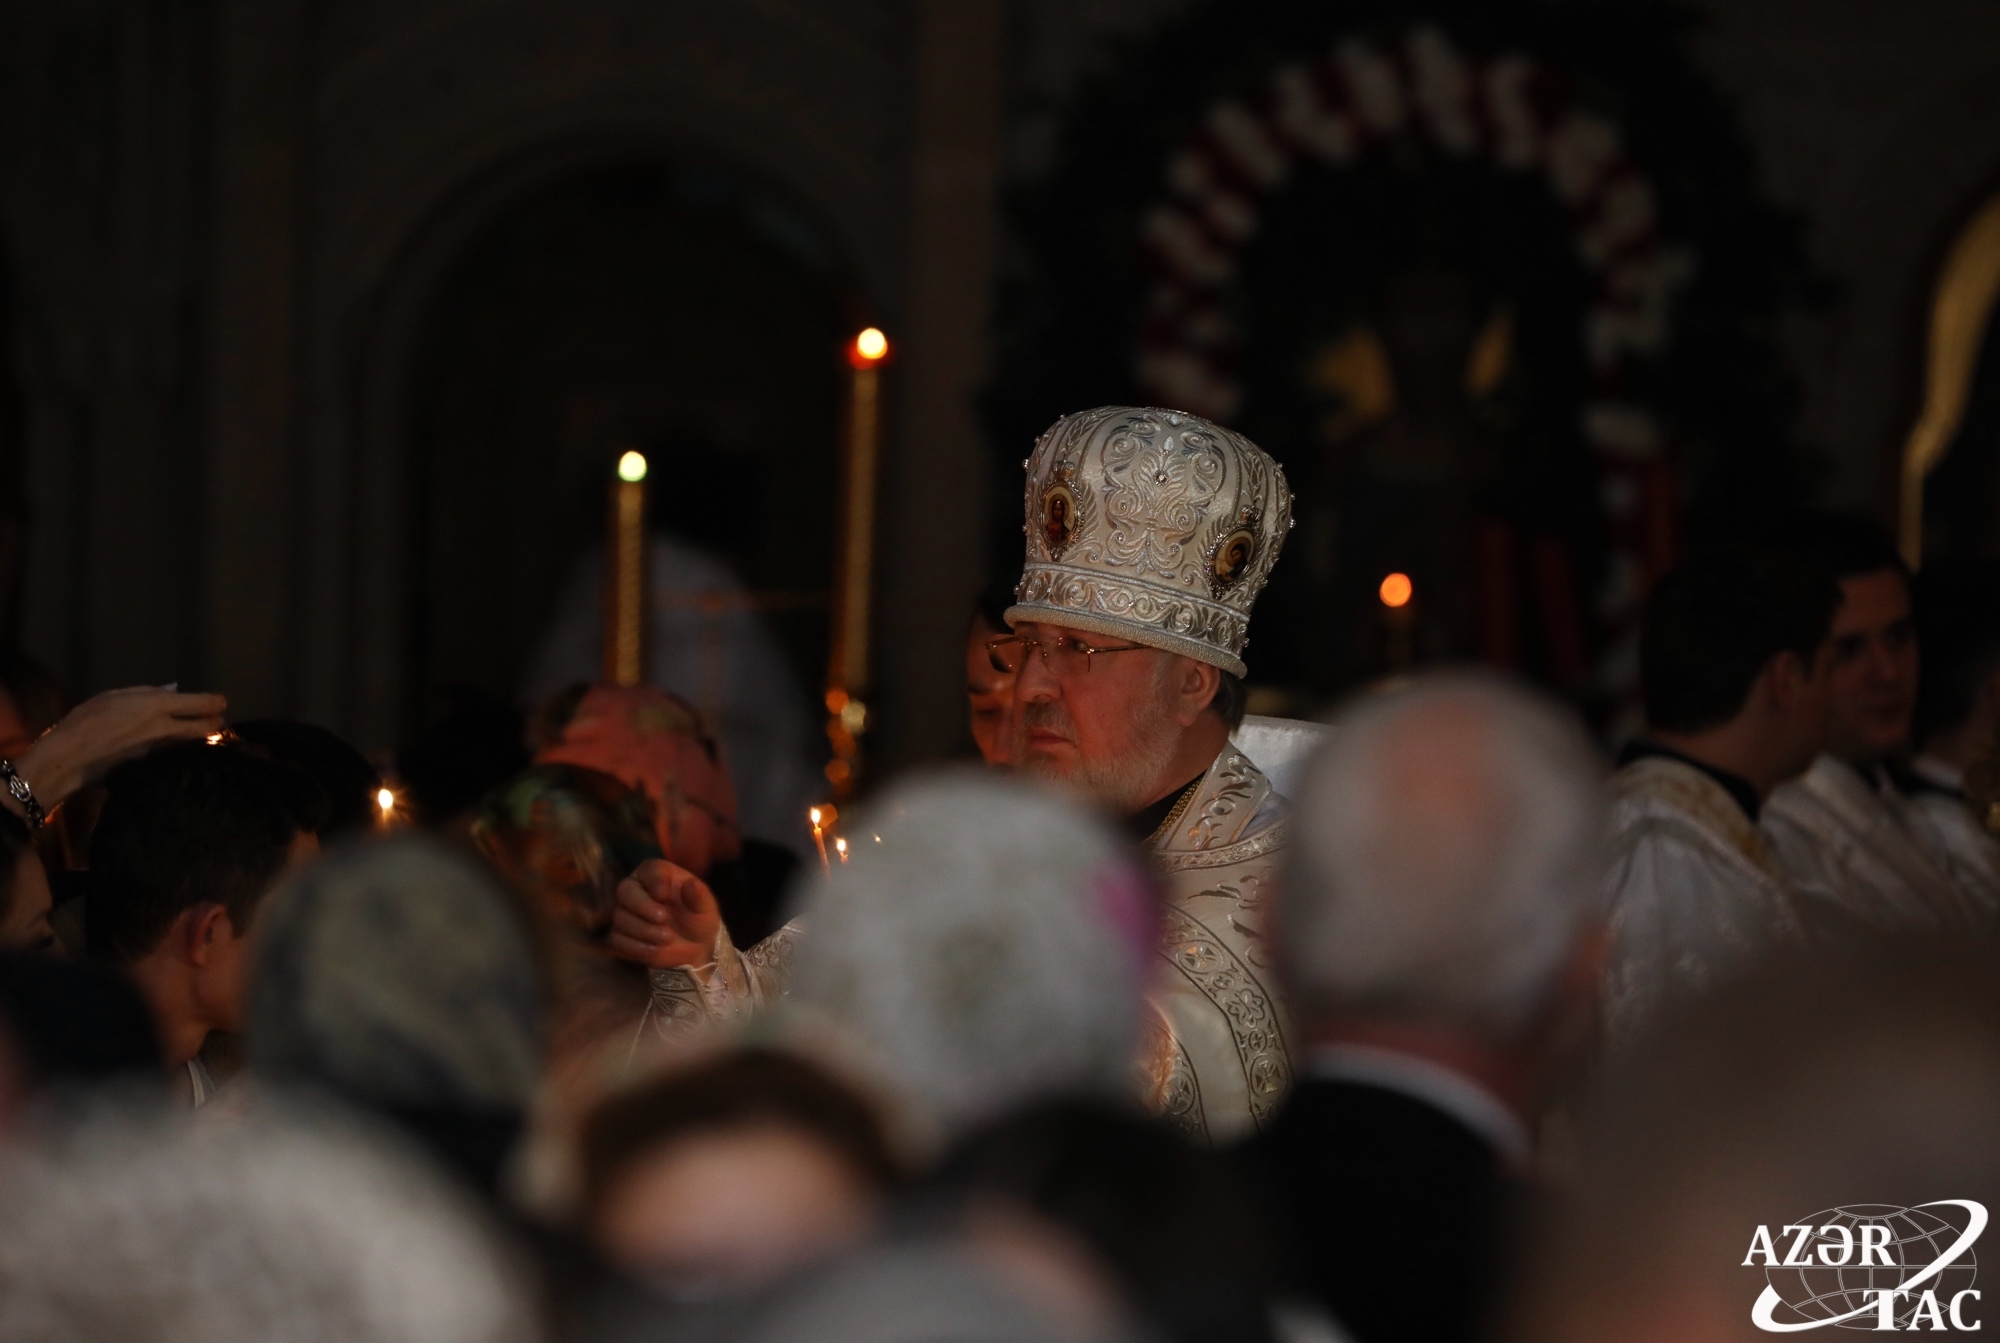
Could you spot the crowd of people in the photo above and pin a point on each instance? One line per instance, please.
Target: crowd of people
(1425, 1021)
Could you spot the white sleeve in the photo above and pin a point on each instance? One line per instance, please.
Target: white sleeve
(1681, 915)
(695, 1002)
(1951, 835)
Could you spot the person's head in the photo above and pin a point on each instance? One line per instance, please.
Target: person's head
(1114, 719)
(985, 945)
(566, 836)
(989, 684)
(655, 741)
(1446, 874)
(1958, 625)
(731, 1171)
(401, 975)
(1774, 1120)
(1172, 1226)
(1737, 635)
(191, 839)
(346, 779)
(25, 900)
(1873, 676)
(130, 1222)
(1149, 535)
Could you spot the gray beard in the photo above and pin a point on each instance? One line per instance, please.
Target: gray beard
(1125, 782)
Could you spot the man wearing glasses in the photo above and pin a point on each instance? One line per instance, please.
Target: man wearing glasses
(1150, 533)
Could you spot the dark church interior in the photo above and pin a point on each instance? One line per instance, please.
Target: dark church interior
(522, 520)
(324, 319)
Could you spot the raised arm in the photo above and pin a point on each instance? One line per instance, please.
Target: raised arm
(103, 731)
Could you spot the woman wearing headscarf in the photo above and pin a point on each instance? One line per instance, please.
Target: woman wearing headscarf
(565, 836)
(403, 978)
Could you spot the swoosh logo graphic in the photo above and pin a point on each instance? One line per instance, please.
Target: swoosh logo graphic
(1769, 1301)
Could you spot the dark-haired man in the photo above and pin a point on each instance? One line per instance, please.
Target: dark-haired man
(1840, 830)
(1734, 656)
(191, 839)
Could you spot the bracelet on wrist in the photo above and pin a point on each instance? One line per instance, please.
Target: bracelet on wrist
(23, 794)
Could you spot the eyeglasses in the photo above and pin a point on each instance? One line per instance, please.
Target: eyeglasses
(1065, 655)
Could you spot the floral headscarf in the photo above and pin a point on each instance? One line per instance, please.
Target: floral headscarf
(657, 742)
(568, 836)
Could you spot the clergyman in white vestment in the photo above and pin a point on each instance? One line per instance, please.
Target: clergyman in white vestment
(1149, 535)
(1841, 830)
(1734, 663)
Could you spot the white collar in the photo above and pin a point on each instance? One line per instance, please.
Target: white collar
(1436, 1086)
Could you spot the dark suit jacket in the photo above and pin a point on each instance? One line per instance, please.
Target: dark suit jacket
(1392, 1210)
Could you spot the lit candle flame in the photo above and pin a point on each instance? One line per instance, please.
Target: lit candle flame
(818, 817)
(840, 847)
(215, 739)
(632, 467)
(1396, 590)
(386, 800)
(871, 344)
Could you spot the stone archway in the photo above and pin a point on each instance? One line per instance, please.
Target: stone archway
(363, 498)
(647, 305)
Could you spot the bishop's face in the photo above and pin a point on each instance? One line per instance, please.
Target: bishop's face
(1103, 724)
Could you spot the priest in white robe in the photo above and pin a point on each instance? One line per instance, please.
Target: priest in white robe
(1149, 535)
(1734, 663)
(1842, 831)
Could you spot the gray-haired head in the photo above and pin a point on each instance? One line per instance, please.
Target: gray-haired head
(135, 1223)
(1448, 856)
(984, 946)
(398, 972)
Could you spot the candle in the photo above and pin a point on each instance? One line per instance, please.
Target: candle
(625, 575)
(847, 667)
(385, 807)
(840, 847)
(820, 820)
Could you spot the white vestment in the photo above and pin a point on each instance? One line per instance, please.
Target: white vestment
(1950, 830)
(1216, 1061)
(1695, 893)
(1846, 841)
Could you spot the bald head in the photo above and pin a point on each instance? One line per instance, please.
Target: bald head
(1447, 858)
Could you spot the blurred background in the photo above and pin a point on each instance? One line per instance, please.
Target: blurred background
(324, 320)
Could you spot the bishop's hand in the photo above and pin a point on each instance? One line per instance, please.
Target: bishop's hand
(666, 917)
